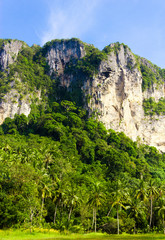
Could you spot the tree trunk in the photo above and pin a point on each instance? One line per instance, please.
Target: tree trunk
(31, 220)
(42, 207)
(55, 212)
(70, 212)
(95, 219)
(117, 221)
(151, 212)
(109, 211)
(134, 228)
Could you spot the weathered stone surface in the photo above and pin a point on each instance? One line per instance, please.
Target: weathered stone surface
(12, 104)
(62, 52)
(9, 52)
(117, 95)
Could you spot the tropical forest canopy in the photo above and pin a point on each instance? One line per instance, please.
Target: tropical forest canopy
(64, 170)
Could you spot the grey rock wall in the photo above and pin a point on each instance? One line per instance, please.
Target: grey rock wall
(9, 52)
(62, 52)
(12, 105)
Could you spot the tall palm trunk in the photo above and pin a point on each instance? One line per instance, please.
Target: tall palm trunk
(151, 211)
(95, 219)
(70, 212)
(109, 211)
(31, 219)
(94, 224)
(42, 207)
(117, 221)
(134, 228)
(55, 213)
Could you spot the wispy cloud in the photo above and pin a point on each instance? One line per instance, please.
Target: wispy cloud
(69, 18)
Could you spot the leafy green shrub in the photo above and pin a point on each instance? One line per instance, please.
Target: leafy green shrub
(151, 107)
(149, 77)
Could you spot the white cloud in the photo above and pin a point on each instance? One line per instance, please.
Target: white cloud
(69, 18)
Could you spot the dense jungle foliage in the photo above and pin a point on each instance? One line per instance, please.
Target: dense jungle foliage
(61, 169)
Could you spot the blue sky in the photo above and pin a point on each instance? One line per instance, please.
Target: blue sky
(140, 24)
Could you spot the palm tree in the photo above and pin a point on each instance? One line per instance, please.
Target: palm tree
(58, 194)
(118, 195)
(45, 189)
(141, 191)
(71, 198)
(152, 193)
(95, 199)
(161, 211)
(48, 158)
(135, 208)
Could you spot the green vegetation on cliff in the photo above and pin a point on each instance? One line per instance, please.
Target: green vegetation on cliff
(27, 74)
(115, 47)
(87, 65)
(31, 67)
(151, 75)
(151, 107)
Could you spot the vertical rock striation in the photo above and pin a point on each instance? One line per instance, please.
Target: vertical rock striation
(116, 93)
(9, 52)
(11, 103)
(61, 52)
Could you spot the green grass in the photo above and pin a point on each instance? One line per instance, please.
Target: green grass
(26, 235)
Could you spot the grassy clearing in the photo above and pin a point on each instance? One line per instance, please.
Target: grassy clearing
(54, 235)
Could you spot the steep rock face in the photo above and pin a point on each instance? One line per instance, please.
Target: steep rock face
(12, 105)
(116, 93)
(61, 52)
(9, 52)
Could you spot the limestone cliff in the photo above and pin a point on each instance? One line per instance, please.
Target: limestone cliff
(12, 105)
(13, 102)
(9, 52)
(117, 95)
(58, 53)
(115, 90)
